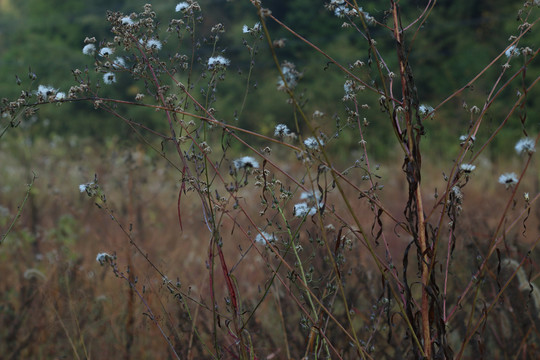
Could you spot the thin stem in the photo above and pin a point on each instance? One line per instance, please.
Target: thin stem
(19, 211)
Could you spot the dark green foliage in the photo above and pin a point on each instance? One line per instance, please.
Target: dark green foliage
(459, 39)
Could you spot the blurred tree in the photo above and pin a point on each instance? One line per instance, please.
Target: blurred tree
(458, 40)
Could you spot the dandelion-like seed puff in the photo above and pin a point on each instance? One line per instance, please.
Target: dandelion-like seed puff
(105, 51)
(246, 162)
(525, 146)
(467, 168)
(181, 6)
(102, 258)
(216, 62)
(89, 49)
(109, 78)
(508, 179)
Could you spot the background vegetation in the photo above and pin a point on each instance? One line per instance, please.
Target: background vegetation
(178, 220)
(455, 43)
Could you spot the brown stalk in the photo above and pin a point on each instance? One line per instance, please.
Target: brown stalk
(413, 167)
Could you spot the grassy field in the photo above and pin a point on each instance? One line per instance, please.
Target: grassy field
(385, 228)
(57, 301)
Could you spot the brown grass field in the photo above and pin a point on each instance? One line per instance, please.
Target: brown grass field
(58, 302)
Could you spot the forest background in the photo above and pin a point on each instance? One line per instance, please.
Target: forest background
(457, 42)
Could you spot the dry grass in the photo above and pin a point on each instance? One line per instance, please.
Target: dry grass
(58, 301)
(440, 262)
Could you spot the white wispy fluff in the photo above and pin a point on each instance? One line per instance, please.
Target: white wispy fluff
(525, 146)
(46, 91)
(109, 78)
(311, 143)
(247, 30)
(154, 44)
(60, 96)
(341, 9)
(219, 60)
(246, 162)
(119, 62)
(260, 238)
(511, 51)
(312, 197)
(468, 168)
(181, 6)
(126, 20)
(456, 190)
(312, 201)
(89, 49)
(303, 209)
(348, 87)
(508, 179)
(465, 137)
(370, 20)
(463, 140)
(425, 109)
(291, 75)
(106, 51)
(282, 130)
(103, 257)
(91, 188)
(318, 114)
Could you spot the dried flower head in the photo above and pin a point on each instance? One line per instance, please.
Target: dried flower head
(302, 209)
(426, 110)
(118, 63)
(60, 96)
(106, 51)
(46, 91)
(216, 62)
(463, 140)
(103, 257)
(312, 198)
(467, 168)
(89, 49)
(91, 188)
(511, 51)
(525, 146)
(254, 30)
(291, 76)
(246, 162)
(317, 114)
(264, 237)
(351, 88)
(109, 78)
(181, 6)
(343, 10)
(126, 20)
(312, 143)
(281, 131)
(153, 44)
(348, 86)
(508, 179)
